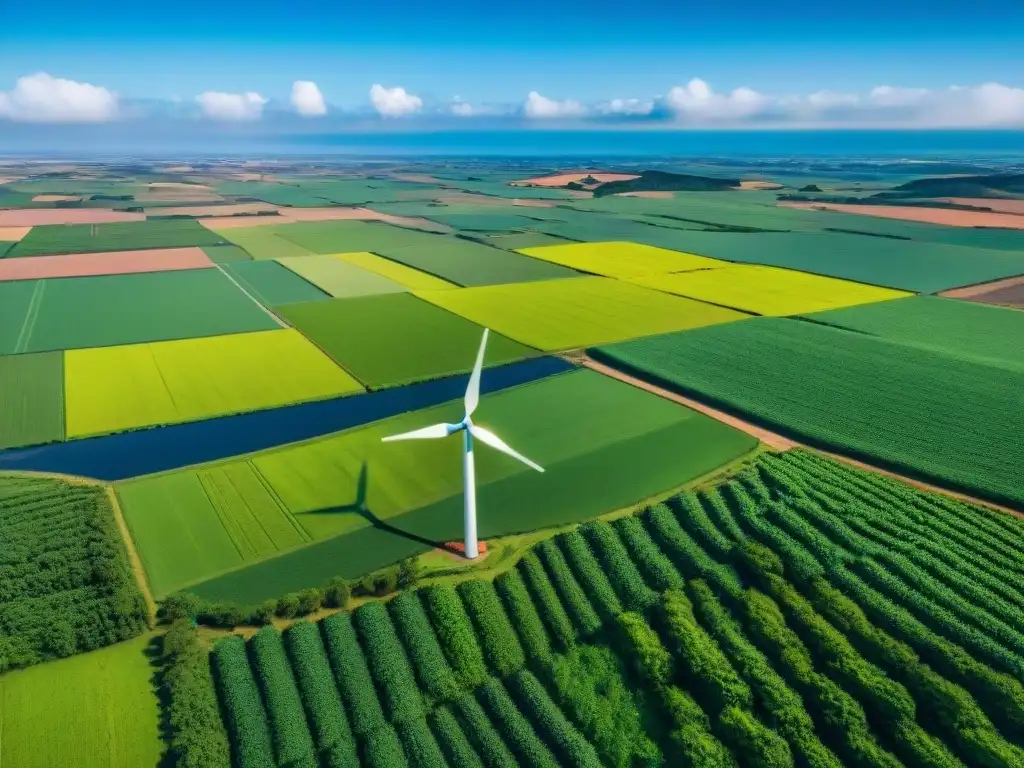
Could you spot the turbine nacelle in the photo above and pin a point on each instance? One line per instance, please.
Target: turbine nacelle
(485, 436)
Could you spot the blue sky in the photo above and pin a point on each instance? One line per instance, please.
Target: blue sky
(577, 54)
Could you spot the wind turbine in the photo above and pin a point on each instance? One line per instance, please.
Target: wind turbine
(469, 430)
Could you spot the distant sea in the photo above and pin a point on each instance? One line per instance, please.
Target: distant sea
(534, 143)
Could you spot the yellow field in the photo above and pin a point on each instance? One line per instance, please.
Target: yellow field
(411, 278)
(621, 259)
(768, 290)
(112, 389)
(577, 312)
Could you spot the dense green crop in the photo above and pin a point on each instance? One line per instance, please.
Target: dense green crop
(432, 669)
(240, 697)
(623, 574)
(452, 739)
(352, 675)
(455, 632)
(498, 640)
(388, 664)
(590, 574)
(292, 741)
(523, 614)
(520, 736)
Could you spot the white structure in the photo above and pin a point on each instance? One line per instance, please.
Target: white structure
(469, 431)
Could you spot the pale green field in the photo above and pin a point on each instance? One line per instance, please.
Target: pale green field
(96, 710)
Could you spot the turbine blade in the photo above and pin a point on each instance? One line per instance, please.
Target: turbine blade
(473, 390)
(489, 438)
(427, 433)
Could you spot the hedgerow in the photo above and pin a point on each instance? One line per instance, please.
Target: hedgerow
(656, 568)
(421, 748)
(483, 735)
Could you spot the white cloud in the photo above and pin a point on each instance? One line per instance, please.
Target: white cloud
(626, 107)
(307, 99)
(41, 98)
(538, 106)
(394, 102)
(232, 107)
(696, 101)
(463, 109)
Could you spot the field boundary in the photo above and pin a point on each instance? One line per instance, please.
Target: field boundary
(133, 554)
(782, 442)
(252, 298)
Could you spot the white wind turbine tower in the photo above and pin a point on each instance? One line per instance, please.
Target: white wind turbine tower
(469, 431)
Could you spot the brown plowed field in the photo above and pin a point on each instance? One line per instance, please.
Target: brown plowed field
(44, 216)
(946, 216)
(760, 184)
(561, 179)
(1007, 293)
(56, 198)
(13, 234)
(1002, 206)
(109, 263)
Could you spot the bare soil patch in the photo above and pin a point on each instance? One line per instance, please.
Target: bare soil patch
(999, 206)
(653, 194)
(945, 216)
(561, 179)
(45, 216)
(56, 198)
(13, 234)
(176, 185)
(212, 210)
(1008, 292)
(760, 184)
(107, 263)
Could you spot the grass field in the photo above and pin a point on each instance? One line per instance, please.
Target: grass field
(935, 415)
(602, 442)
(621, 259)
(97, 710)
(264, 242)
(961, 328)
(271, 284)
(413, 279)
(340, 278)
(123, 309)
(568, 314)
(221, 254)
(519, 241)
(397, 338)
(767, 290)
(31, 399)
(120, 236)
(326, 237)
(901, 264)
(113, 389)
(482, 221)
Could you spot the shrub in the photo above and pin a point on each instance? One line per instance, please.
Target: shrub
(543, 594)
(352, 675)
(288, 606)
(338, 593)
(455, 633)
(644, 647)
(497, 639)
(310, 601)
(292, 740)
(388, 664)
(240, 698)
(523, 614)
(432, 669)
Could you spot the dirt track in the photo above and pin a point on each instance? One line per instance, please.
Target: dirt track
(775, 440)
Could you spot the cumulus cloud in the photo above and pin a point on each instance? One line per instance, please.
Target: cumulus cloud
(231, 107)
(394, 102)
(307, 99)
(697, 102)
(626, 107)
(537, 106)
(41, 98)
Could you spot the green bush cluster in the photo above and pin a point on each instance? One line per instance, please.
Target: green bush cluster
(388, 664)
(352, 675)
(432, 668)
(498, 641)
(320, 696)
(455, 633)
(240, 698)
(617, 565)
(196, 735)
(522, 613)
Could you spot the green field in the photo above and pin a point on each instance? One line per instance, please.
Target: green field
(960, 328)
(568, 314)
(97, 710)
(4, 248)
(220, 254)
(396, 338)
(271, 284)
(114, 389)
(936, 415)
(325, 237)
(339, 278)
(263, 242)
(524, 240)
(123, 309)
(118, 236)
(31, 399)
(604, 444)
(902, 264)
(482, 221)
